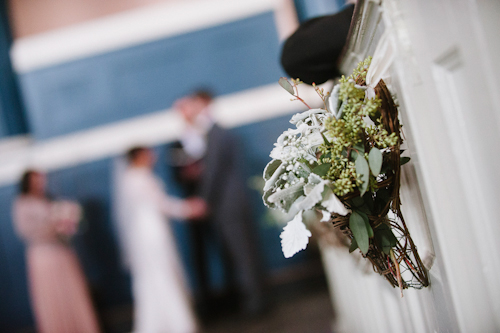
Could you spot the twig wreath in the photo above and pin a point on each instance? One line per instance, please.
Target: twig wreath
(344, 160)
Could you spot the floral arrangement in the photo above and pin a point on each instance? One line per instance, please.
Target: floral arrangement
(343, 161)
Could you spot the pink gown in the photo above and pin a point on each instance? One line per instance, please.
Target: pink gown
(59, 296)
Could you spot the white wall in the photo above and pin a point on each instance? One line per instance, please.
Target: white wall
(445, 76)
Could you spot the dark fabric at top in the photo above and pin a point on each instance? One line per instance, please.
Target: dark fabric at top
(312, 52)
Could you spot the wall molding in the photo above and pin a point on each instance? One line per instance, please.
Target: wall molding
(232, 110)
(131, 28)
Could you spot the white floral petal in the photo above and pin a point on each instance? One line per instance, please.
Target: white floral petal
(295, 236)
(300, 117)
(271, 168)
(314, 179)
(315, 139)
(313, 196)
(284, 194)
(271, 181)
(370, 93)
(326, 216)
(295, 208)
(276, 153)
(332, 203)
(333, 100)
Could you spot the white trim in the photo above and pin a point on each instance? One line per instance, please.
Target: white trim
(129, 28)
(157, 128)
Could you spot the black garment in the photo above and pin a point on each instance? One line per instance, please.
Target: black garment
(199, 231)
(312, 52)
(223, 187)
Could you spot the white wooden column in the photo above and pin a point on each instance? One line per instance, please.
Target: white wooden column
(445, 75)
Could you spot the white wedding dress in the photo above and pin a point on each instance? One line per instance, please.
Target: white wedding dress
(161, 299)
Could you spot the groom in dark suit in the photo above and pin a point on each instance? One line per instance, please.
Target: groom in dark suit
(209, 165)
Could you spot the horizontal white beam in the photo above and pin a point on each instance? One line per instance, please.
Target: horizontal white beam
(249, 106)
(129, 28)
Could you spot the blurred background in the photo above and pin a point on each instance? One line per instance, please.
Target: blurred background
(82, 81)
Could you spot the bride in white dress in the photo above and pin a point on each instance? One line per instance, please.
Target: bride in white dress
(161, 300)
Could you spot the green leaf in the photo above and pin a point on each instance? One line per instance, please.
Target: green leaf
(367, 223)
(403, 160)
(327, 155)
(322, 169)
(353, 246)
(385, 238)
(340, 112)
(375, 158)
(359, 147)
(384, 195)
(364, 208)
(327, 143)
(354, 155)
(271, 167)
(359, 231)
(283, 81)
(369, 201)
(362, 169)
(358, 201)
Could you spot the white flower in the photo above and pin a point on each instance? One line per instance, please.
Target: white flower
(295, 236)
(317, 191)
(333, 100)
(303, 117)
(314, 140)
(332, 203)
(313, 191)
(272, 180)
(326, 216)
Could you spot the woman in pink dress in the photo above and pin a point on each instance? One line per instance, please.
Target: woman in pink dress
(59, 295)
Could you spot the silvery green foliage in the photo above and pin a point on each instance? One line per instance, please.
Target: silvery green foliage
(290, 184)
(295, 236)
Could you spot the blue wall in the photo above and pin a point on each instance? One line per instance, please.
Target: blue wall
(105, 88)
(14, 301)
(95, 243)
(308, 9)
(101, 89)
(12, 120)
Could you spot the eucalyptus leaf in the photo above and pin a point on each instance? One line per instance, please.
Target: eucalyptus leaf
(375, 158)
(341, 109)
(283, 81)
(364, 208)
(325, 139)
(369, 228)
(327, 155)
(353, 246)
(359, 231)
(354, 155)
(322, 169)
(362, 169)
(384, 194)
(369, 201)
(403, 160)
(382, 197)
(385, 238)
(358, 201)
(359, 147)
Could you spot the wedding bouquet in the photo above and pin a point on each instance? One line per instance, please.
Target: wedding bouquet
(343, 161)
(66, 216)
